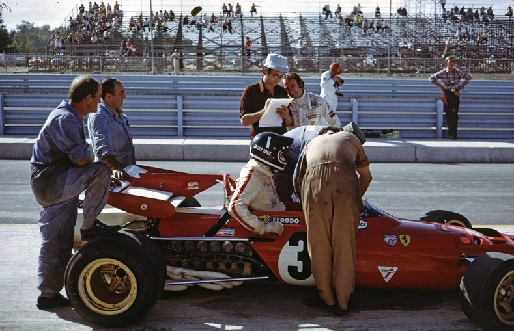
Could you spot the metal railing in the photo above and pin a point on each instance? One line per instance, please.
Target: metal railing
(208, 106)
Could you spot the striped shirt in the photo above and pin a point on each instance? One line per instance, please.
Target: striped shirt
(451, 79)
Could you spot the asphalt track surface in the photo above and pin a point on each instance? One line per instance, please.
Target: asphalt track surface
(482, 192)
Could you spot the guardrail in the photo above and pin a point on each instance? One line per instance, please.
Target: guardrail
(207, 106)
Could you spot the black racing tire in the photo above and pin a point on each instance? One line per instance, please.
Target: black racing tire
(190, 202)
(115, 280)
(487, 291)
(447, 217)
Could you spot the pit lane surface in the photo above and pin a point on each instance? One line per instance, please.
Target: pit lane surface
(251, 306)
(482, 192)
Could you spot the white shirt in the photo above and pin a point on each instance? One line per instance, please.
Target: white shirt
(311, 109)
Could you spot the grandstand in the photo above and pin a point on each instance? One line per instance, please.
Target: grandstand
(361, 42)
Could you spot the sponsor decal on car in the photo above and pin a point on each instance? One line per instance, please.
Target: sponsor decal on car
(228, 232)
(465, 240)
(287, 220)
(405, 239)
(390, 239)
(363, 225)
(387, 272)
(193, 186)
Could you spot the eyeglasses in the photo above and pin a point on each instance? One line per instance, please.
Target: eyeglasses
(277, 76)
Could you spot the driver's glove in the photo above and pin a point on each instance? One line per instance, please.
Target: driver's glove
(274, 227)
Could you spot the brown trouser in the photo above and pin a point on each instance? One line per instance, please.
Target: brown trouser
(331, 204)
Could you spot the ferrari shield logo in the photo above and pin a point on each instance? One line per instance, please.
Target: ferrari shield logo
(405, 239)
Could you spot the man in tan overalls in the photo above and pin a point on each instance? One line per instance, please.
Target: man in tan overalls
(334, 175)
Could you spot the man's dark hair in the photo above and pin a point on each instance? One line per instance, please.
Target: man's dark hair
(329, 128)
(295, 76)
(83, 86)
(108, 84)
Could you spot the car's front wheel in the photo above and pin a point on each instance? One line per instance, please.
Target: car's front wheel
(114, 280)
(487, 291)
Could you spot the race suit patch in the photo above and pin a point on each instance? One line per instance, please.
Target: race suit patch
(264, 218)
(387, 272)
(390, 239)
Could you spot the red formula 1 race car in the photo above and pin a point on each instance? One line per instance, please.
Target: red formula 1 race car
(170, 242)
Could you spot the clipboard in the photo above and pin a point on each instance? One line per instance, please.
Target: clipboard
(270, 117)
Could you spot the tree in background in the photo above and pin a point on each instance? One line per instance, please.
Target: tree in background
(29, 39)
(5, 40)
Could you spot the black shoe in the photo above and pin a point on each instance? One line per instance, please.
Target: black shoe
(338, 311)
(317, 303)
(54, 302)
(98, 229)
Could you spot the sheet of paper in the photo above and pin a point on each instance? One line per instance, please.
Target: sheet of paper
(270, 117)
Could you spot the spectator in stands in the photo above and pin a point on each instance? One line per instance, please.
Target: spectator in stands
(213, 19)
(443, 4)
(330, 84)
(131, 48)
(377, 12)
(224, 10)
(176, 61)
(238, 10)
(229, 25)
(58, 42)
(378, 26)
(253, 9)
(230, 11)
(109, 130)
(509, 12)
(451, 81)
(402, 11)
(327, 11)
(248, 46)
(490, 13)
(338, 11)
(254, 98)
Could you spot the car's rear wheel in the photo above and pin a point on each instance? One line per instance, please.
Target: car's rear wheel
(487, 291)
(115, 280)
(446, 217)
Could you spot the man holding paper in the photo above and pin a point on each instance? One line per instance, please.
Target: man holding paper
(257, 97)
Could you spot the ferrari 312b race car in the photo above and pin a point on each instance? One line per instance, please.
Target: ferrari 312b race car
(170, 242)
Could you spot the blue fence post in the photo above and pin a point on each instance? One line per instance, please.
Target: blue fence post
(180, 116)
(355, 110)
(439, 118)
(2, 117)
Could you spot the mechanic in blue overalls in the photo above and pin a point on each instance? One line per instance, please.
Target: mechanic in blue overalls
(109, 130)
(62, 168)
